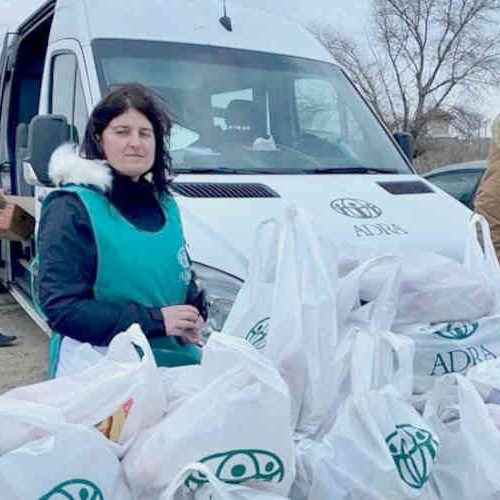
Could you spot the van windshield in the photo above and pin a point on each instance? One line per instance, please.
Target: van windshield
(240, 111)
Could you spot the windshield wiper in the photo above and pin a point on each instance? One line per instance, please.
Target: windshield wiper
(353, 170)
(221, 170)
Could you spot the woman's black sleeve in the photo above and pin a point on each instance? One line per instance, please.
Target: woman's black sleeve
(196, 297)
(67, 273)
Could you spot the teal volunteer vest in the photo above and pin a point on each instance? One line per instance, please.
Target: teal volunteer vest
(150, 268)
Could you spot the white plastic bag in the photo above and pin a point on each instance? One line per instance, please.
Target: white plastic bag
(486, 379)
(494, 413)
(180, 383)
(287, 310)
(369, 355)
(380, 440)
(453, 347)
(457, 346)
(122, 394)
(469, 454)
(482, 259)
(434, 289)
(24, 421)
(197, 482)
(70, 461)
(318, 477)
(238, 425)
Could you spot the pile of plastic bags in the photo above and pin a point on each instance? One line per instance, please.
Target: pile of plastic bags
(382, 383)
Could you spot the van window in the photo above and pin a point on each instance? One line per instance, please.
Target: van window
(63, 84)
(317, 108)
(67, 96)
(221, 101)
(80, 113)
(240, 111)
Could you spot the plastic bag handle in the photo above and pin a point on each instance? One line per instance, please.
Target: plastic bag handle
(315, 247)
(137, 338)
(256, 264)
(475, 415)
(372, 370)
(477, 256)
(403, 349)
(185, 472)
(457, 392)
(384, 306)
(285, 260)
(46, 418)
(362, 361)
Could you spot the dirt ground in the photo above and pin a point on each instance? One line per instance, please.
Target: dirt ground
(25, 361)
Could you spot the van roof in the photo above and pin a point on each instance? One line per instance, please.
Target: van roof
(184, 21)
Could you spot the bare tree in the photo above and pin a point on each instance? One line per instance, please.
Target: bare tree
(421, 55)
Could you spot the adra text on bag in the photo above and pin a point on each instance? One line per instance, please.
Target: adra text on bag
(459, 360)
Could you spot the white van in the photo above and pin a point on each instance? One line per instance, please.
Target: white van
(264, 120)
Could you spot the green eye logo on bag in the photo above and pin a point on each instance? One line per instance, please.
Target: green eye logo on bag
(76, 489)
(413, 450)
(258, 334)
(239, 466)
(458, 331)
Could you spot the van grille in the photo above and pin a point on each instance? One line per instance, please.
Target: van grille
(223, 190)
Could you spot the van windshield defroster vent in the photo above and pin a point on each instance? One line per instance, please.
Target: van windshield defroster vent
(223, 190)
(406, 187)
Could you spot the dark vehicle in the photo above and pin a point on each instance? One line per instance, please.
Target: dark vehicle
(460, 180)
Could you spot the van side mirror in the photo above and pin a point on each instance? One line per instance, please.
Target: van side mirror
(406, 143)
(46, 133)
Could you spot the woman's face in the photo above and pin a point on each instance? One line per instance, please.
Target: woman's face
(129, 144)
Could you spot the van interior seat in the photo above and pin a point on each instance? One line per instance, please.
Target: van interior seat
(21, 148)
(240, 117)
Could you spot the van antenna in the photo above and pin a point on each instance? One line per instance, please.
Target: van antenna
(225, 20)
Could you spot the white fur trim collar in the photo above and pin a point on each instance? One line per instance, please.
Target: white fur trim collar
(66, 166)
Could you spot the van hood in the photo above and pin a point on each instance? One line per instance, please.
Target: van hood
(361, 215)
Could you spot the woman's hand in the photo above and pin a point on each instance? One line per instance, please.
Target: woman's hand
(183, 321)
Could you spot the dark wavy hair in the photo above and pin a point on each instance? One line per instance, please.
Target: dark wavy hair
(118, 101)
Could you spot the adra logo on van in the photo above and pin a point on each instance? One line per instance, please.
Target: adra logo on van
(458, 330)
(413, 450)
(352, 207)
(75, 489)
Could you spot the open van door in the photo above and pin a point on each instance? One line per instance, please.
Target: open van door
(21, 72)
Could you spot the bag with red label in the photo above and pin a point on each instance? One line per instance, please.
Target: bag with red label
(121, 394)
(43, 456)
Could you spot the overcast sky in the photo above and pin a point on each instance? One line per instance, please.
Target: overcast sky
(335, 11)
(351, 16)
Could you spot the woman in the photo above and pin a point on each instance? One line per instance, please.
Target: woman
(110, 240)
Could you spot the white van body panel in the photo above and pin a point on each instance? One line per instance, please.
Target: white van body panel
(184, 21)
(231, 223)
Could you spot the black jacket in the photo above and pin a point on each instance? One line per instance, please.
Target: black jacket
(68, 262)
